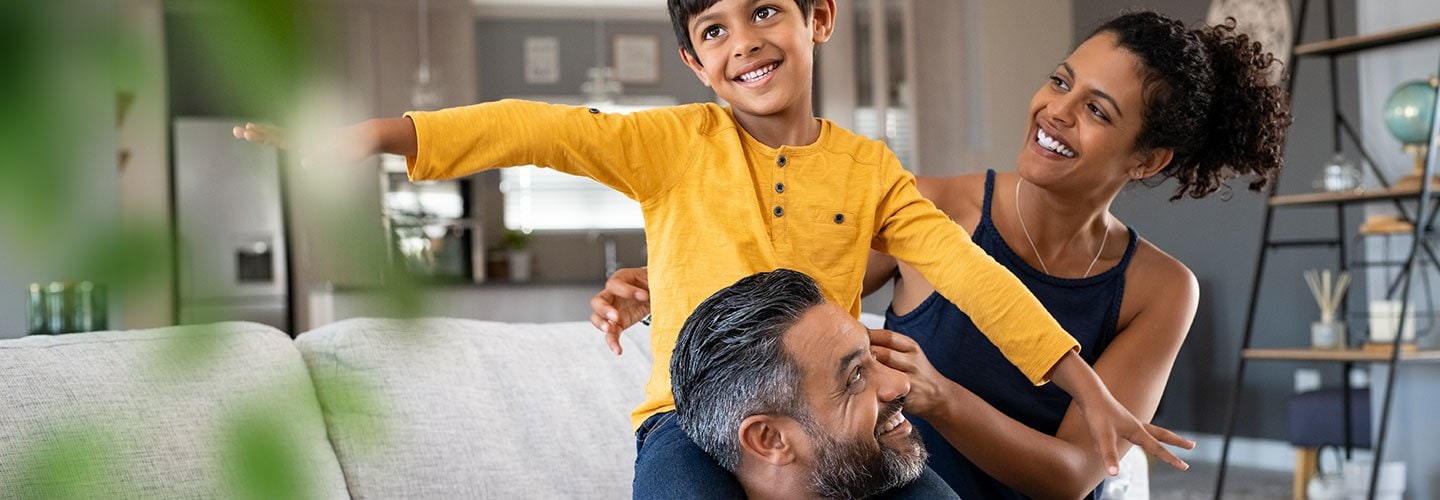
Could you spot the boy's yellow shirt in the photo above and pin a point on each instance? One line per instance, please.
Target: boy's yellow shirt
(719, 206)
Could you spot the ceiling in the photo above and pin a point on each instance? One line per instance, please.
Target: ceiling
(656, 4)
(614, 9)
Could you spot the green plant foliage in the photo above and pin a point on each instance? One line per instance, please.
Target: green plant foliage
(266, 463)
(516, 240)
(73, 461)
(65, 62)
(183, 356)
(259, 52)
(129, 259)
(350, 403)
(38, 166)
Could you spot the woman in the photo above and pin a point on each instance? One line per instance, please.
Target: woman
(1143, 98)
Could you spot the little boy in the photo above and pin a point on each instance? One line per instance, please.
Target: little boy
(761, 185)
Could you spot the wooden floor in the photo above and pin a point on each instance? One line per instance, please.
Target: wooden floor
(1199, 483)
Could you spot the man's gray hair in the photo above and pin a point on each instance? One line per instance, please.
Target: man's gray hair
(730, 360)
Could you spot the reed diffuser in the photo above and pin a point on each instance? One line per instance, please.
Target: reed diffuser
(1327, 333)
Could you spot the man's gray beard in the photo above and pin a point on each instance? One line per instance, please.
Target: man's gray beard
(851, 469)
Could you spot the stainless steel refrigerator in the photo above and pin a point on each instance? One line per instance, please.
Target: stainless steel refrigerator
(230, 224)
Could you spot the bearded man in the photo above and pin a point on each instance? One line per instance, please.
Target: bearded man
(779, 387)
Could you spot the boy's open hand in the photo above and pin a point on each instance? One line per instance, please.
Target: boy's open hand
(268, 135)
(341, 145)
(1108, 420)
(624, 302)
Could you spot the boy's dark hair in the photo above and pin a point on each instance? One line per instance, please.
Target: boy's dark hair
(730, 361)
(682, 11)
(1208, 96)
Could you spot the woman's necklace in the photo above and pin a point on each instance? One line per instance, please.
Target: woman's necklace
(1104, 236)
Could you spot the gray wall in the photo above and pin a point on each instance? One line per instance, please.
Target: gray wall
(979, 63)
(499, 44)
(1219, 239)
(499, 47)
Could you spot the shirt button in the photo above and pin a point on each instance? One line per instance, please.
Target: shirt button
(839, 218)
(779, 211)
(594, 111)
(781, 161)
(779, 187)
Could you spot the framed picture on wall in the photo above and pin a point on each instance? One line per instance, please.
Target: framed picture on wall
(542, 59)
(636, 58)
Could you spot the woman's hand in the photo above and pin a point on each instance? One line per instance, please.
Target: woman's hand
(927, 386)
(624, 302)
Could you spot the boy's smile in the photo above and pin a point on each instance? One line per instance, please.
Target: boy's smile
(757, 76)
(758, 55)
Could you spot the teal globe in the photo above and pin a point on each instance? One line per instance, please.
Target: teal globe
(1409, 112)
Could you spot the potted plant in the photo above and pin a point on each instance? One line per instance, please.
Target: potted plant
(517, 251)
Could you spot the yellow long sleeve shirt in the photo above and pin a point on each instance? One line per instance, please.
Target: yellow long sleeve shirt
(719, 206)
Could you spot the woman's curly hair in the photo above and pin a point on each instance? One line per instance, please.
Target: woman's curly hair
(1208, 96)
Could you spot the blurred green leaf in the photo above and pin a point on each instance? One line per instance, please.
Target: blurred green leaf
(267, 465)
(364, 247)
(75, 461)
(182, 354)
(259, 52)
(129, 258)
(38, 164)
(352, 404)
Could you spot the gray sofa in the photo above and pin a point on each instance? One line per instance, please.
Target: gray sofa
(364, 408)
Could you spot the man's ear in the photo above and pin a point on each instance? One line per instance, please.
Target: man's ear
(822, 21)
(1150, 162)
(694, 65)
(770, 439)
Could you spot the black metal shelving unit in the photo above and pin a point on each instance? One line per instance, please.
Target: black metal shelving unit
(1417, 206)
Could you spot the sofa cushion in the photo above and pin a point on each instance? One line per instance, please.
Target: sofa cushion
(218, 411)
(449, 408)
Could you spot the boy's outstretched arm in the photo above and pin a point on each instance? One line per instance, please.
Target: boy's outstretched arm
(355, 142)
(1108, 420)
(639, 154)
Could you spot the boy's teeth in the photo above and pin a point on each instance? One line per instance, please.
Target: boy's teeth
(755, 75)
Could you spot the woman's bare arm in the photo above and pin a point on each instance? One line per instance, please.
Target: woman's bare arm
(1135, 367)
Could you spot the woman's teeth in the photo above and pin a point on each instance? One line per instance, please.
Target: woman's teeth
(1051, 144)
(758, 74)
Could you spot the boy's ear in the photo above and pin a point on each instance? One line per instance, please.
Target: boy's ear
(822, 21)
(770, 439)
(694, 65)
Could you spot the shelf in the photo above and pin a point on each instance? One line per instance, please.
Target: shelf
(1291, 200)
(1345, 45)
(1404, 201)
(1351, 355)
(405, 221)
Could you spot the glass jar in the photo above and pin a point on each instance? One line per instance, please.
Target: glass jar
(1327, 335)
(36, 311)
